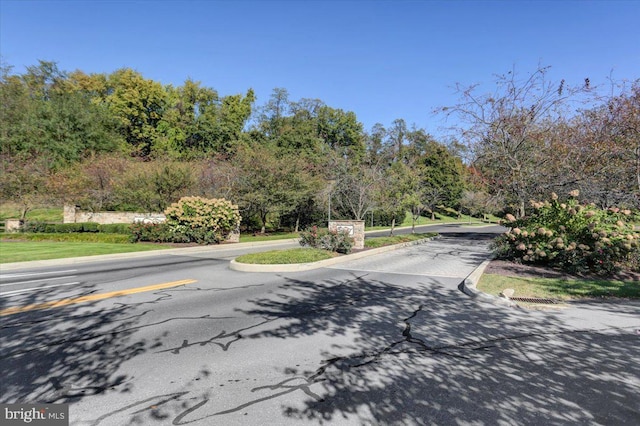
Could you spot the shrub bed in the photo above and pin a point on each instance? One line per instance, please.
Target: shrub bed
(67, 228)
(575, 237)
(339, 242)
(192, 219)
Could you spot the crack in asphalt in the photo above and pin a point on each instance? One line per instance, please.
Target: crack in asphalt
(304, 383)
(223, 334)
(373, 357)
(111, 333)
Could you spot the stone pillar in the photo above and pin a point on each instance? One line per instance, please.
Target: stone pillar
(13, 225)
(234, 237)
(69, 214)
(355, 229)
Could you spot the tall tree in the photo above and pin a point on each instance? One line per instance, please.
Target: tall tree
(269, 182)
(139, 104)
(505, 129)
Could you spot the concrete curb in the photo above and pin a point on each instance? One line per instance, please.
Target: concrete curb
(469, 287)
(300, 267)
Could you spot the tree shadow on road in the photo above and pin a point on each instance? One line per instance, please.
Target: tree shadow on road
(65, 353)
(423, 354)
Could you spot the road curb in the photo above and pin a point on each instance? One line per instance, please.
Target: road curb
(469, 287)
(300, 267)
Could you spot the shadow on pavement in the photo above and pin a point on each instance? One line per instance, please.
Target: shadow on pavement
(429, 356)
(63, 354)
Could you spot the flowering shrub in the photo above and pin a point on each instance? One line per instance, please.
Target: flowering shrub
(575, 237)
(339, 242)
(203, 220)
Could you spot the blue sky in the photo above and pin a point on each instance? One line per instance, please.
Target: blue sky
(381, 59)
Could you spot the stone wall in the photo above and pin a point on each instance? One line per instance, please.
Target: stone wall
(355, 228)
(13, 225)
(72, 215)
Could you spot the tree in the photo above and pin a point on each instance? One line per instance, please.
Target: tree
(341, 131)
(24, 182)
(355, 188)
(138, 104)
(153, 185)
(44, 115)
(443, 176)
(506, 130)
(604, 147)
(397, 135)
(269, 182)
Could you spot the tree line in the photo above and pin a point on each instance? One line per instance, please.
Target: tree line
(120, 141)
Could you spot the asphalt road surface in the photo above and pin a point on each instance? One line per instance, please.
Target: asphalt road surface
(388, 339)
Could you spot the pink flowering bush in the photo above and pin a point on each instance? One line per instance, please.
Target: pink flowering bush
(202, 220)
(572, 236)
(339, 242)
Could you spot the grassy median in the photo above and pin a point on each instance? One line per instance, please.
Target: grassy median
(278, 257)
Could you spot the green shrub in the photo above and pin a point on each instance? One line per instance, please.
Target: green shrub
(202, 220)
(339, 242)
(383, 218)
(575, 237)
(115, 228)
(53, 228)
(156, 233)
(67, 228)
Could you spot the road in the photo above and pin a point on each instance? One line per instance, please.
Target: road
(389, 339)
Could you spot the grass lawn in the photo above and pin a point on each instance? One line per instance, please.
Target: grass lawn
(297, 255)
(21, 251)
(12, 211)
(556, 288)
(248, 238)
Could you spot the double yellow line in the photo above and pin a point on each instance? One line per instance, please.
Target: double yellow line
(90, 298)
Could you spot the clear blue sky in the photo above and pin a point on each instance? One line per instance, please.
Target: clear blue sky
(381, 59)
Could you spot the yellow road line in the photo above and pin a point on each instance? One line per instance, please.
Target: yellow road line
(91, 298)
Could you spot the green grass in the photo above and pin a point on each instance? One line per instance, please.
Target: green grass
(297, 255)
(248, 238)
(387, 241)
(12, 211)
(562, 289)
(20, 251)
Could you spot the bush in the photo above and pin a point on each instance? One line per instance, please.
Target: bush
(384, 218)
(67, 228)
(574, 237)
(340, 242)
(202, 220)
(115, 228)
(155, 233)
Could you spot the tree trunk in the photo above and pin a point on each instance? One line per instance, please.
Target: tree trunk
(263, 218)
(297, 222)
(393, 224)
